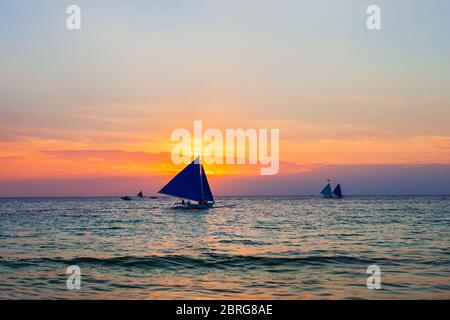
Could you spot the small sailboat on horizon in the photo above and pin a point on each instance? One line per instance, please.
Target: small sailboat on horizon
(190, 184)
(337, 191)
(327, 193)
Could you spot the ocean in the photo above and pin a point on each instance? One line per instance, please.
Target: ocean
(246, 248)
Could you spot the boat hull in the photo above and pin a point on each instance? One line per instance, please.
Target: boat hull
(194, 206)
(127, 198)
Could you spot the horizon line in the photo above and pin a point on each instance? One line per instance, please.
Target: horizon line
(230, 196)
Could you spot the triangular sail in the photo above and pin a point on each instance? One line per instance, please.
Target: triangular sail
(207, 194)
(326, 192)
(191, 183)
(337, 191)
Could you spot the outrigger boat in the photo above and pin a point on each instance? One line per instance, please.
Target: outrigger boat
(190, 184)
(140, 196)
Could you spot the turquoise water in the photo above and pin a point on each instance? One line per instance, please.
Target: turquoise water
(254, 247)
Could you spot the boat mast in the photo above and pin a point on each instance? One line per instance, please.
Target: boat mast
(201, 177)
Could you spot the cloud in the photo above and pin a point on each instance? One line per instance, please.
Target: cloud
(107, 155)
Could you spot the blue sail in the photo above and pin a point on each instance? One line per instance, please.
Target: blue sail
(326, 192)
(207, 194)
(191, 183)
(337, 191)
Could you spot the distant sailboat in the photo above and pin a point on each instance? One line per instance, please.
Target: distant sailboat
(191, 184)
(326, 192)
(337, 191)
(128, 198)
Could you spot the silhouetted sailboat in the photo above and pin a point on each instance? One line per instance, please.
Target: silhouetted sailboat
(326, 192)
(191, 184)
(128, 198)
(337, 191)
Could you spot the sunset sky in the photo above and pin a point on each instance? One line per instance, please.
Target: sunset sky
(91, 112)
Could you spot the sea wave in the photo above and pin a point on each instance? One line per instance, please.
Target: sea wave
(215, 261)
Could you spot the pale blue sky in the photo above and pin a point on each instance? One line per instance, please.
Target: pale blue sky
(310, 59)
